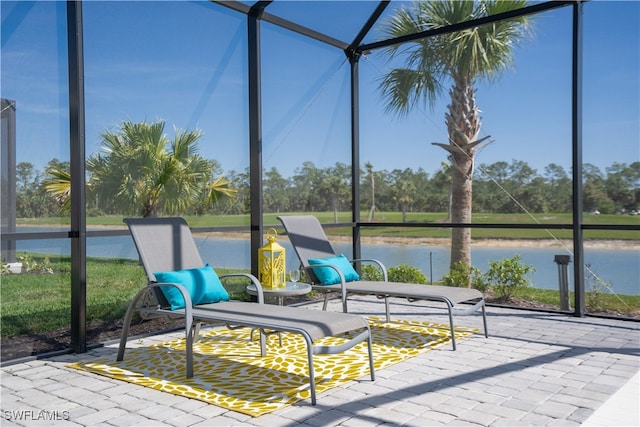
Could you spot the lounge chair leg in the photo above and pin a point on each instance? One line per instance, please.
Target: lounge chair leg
(387, 309)
(453, 331)
(370, 347)
(196, 332)
(127, 322)
(189, 330)
(263, 343)
(326, 301)
(125, 333)
(312, 379)
(484, 321)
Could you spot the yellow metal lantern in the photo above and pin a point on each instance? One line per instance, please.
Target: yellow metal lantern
(272, 262)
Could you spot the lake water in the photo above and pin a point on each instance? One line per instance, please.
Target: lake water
(619, 268)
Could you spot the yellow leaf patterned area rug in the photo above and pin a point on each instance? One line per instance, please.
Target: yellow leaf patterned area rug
(229, 372)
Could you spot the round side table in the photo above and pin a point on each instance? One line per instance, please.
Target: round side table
(291, 290)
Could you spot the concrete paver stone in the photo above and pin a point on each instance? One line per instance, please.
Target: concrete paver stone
(534, 369)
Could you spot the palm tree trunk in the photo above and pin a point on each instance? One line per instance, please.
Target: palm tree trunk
(461, 204)
(463, 125)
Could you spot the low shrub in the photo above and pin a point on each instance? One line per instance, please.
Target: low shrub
(402, 273)
(370, 272)
(406, 274)
(463, 275)
(508, 276)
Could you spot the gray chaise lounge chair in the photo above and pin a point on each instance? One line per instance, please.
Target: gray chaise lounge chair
(166, 244)
(310, 242)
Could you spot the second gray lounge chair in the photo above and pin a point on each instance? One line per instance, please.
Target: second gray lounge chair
(310, 243)
(180, 285)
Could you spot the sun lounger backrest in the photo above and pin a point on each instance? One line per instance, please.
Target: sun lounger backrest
(307, 238)
(164, 244)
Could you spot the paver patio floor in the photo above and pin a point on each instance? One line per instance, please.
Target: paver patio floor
(535, 369)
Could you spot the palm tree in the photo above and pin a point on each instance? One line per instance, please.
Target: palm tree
(137, 174)
(404, 194)
(459, 59)
(372, 211)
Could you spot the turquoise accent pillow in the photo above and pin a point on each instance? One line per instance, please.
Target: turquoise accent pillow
(203, 285)
(328, 276)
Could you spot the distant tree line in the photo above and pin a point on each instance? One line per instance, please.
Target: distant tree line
(499, 187)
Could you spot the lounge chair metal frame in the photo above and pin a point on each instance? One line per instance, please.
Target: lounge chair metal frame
(310, 241)
(166, 244)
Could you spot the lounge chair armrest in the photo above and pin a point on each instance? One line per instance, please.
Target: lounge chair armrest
(376, 262)
(188, 320)
(254, 281)
(342, 279)
(311, 267)
(185, 294)
(181, 288)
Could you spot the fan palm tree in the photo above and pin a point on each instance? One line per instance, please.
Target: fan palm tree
(459, 59)
(137, 174)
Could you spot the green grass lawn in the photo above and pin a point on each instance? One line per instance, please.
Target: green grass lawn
(595, 301)
(34, 303)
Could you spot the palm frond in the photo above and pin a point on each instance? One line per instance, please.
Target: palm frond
(463, 56)
(219, 188)
(58, 184)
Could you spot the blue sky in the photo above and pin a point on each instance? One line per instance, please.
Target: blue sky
(184, 62)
